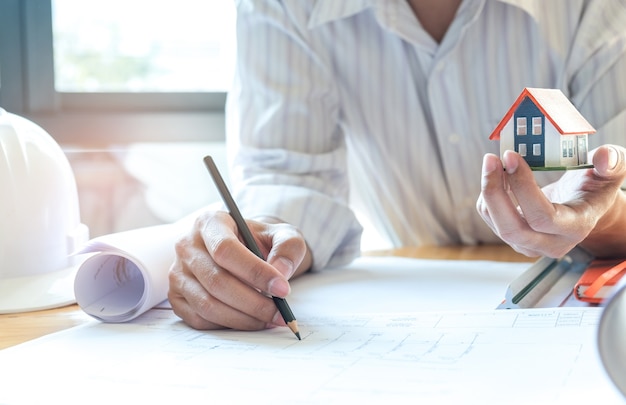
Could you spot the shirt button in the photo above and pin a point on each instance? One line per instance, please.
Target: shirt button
(454, 138)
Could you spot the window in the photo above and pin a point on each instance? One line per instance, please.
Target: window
(521, 149)
(521, 126)
(536, 149)
(118, 46)
(570, 148)
(537, 121)
(118, 71)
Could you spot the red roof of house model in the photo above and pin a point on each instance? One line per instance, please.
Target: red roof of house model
(556, 107)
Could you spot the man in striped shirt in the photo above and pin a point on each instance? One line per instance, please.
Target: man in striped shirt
(381, 110)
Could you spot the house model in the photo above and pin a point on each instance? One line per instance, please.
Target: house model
(545, 128)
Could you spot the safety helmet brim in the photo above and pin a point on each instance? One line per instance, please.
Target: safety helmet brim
(38, 292)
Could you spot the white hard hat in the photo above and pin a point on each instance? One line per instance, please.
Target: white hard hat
(39, 219)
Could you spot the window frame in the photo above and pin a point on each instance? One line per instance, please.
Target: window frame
(92, 119)
(521, 126)
(11, 92)
(537, 126)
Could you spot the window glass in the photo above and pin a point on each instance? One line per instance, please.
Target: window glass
(521, 126)
(570, 148)
(537, 126)
(143, 45)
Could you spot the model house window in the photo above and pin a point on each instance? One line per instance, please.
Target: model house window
(521, 149)
(536, 149)
(537, 126)
(521, 126)
(570, 148)
(564, 146)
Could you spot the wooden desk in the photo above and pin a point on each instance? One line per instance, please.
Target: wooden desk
(19, 328)
(500, 253)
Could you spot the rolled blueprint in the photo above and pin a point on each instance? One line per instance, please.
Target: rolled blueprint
(127, 273)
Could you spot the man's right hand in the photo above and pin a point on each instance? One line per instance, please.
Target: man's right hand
(217, 282)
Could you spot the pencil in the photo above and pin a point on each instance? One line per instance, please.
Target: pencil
(234, 212)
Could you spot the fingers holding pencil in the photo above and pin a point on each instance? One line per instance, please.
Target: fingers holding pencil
(250, 242)
(220, 278)
(216, 284)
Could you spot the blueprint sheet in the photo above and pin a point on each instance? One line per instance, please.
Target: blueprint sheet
(381, 331)
(500, 356)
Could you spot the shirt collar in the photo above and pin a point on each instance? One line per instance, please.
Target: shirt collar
(531, 7)
(325, 11)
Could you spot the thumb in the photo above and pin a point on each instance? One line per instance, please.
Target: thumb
(284, 265)
(289, 251)
(609, 161)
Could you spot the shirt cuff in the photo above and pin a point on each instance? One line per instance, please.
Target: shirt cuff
(330, 228)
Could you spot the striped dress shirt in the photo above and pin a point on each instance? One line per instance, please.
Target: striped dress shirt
(344, 107)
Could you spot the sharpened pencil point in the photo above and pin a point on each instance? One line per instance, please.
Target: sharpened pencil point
(293, 325)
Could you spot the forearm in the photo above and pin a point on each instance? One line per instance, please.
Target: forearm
(290, 159)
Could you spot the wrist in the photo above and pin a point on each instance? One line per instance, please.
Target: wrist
(608, 238)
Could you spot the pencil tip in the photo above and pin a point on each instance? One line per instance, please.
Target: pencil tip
(293, 325)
